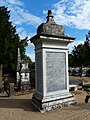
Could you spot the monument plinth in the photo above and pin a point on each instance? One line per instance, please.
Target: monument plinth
(51, 64)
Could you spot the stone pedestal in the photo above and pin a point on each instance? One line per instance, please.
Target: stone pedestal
(52, 102)
(51, 58)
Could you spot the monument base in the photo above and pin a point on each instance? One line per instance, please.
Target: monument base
(52, 102)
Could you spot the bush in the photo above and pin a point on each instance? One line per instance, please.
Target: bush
(88, 73)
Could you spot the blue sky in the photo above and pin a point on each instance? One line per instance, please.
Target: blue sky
(26, 15)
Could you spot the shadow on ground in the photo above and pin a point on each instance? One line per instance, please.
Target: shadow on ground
(24, 104)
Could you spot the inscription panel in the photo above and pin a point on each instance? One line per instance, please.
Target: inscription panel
(39, 83)
(56, 71)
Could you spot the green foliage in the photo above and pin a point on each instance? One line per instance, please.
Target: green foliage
(80, 54)
(9, 42)
(71, 60)
(87, 44)
(88, 71)
(22, 44)
(31, 64)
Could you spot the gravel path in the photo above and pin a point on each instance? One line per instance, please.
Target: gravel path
(20, 108)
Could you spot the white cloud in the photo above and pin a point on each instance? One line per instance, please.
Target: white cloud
(30, 45)
(3, 3)
(22, 33)
(11, 2)
(21, 16)
(74, 13)
(20, 29)
(15, 2)
(32, 56)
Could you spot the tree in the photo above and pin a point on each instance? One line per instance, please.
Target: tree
(71, 60)
(31, 64)
(22, 44)
(87, 44)
(9, 42)
(80, 56)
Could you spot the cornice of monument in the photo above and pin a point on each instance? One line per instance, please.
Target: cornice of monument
(51, 29)
(55, 36)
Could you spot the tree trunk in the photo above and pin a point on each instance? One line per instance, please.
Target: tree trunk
(81, 70)
(0, 75)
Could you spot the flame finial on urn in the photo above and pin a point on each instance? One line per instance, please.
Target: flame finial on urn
(50, 17)
(49, 13)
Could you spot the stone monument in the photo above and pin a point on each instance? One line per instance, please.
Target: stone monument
(51, 62)
(23, 72)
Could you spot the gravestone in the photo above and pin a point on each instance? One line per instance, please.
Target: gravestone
(22, 74)
(51, 64)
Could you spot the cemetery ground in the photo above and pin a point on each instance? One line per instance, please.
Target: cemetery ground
(19, 107)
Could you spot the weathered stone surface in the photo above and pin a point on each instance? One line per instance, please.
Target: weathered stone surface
(55, 71)
(50, 27)
(45, 106)
(39, 71)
